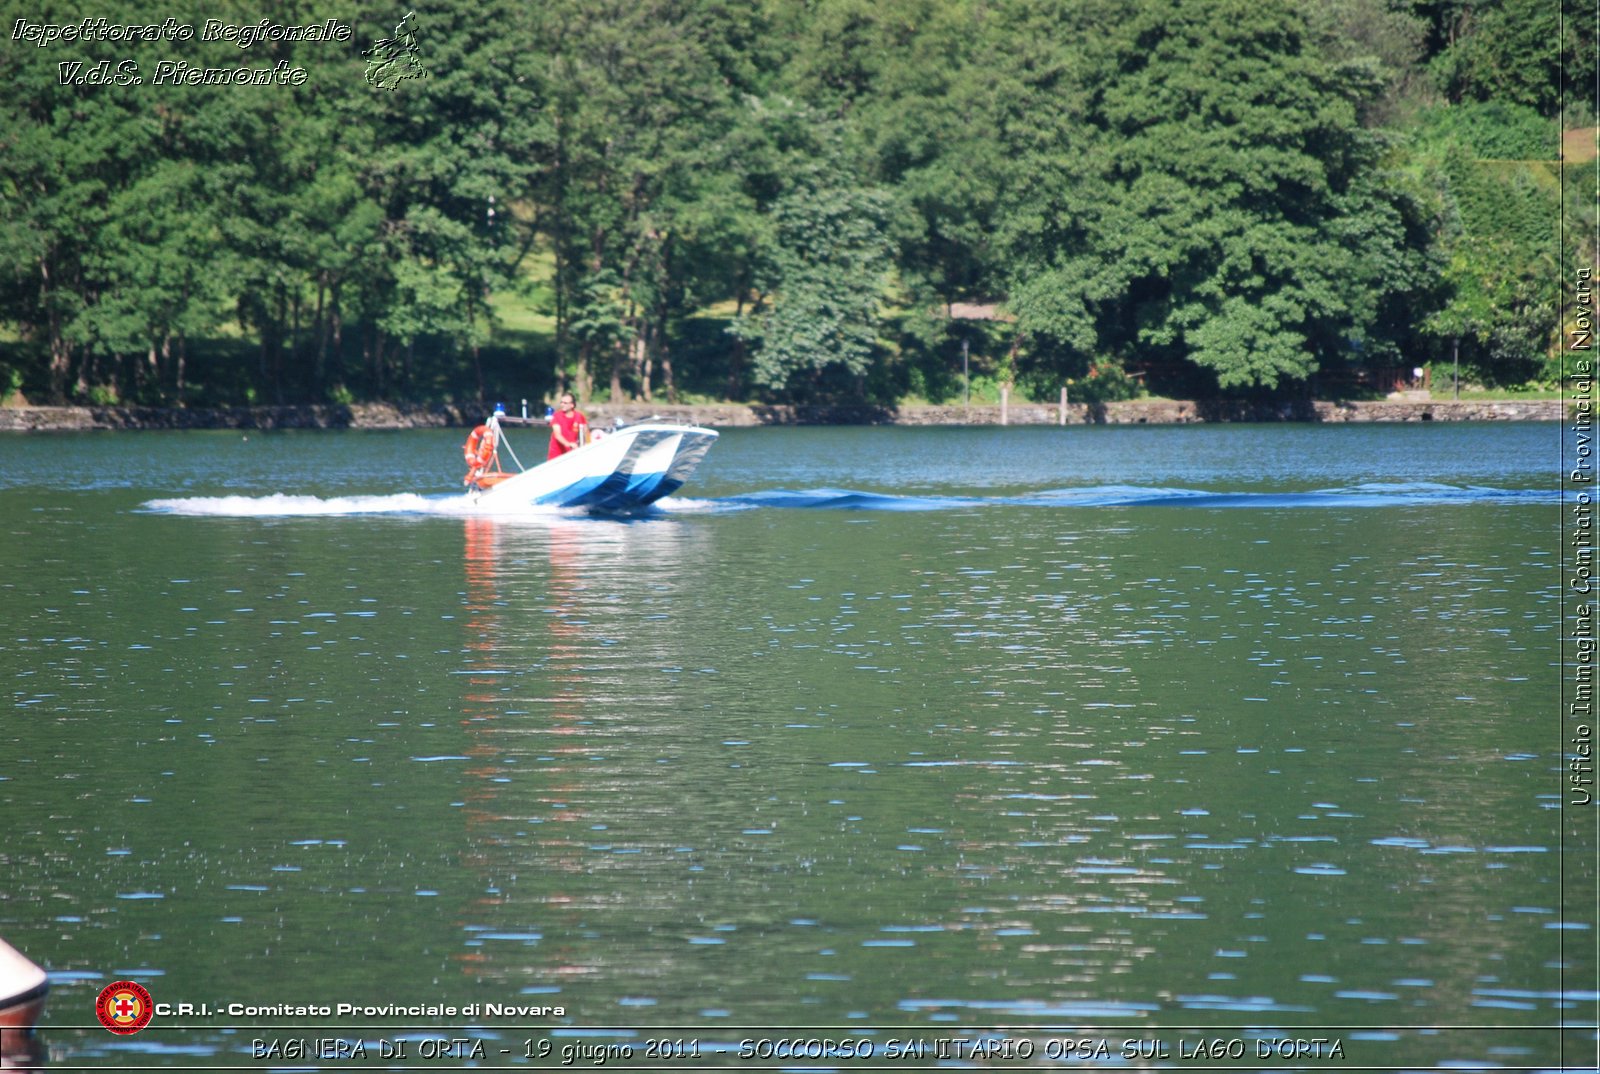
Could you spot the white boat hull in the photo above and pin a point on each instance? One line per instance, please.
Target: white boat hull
(624, 470)
(23, 986)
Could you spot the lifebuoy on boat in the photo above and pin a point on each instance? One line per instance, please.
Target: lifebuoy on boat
(479, 451)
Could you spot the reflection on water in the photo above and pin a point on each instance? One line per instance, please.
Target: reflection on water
(1050, 758)
(1011, 760)
(560, 613)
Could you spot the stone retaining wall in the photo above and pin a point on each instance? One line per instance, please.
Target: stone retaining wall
(356, 416)
(1138, 412)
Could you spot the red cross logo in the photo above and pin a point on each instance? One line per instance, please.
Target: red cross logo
(124, 1007)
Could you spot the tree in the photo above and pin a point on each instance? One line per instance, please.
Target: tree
(1498, 235)
(445, 151)
(1508, 50)
(157, 294)
(1227, 214)
(1200, 187)
(642, 95)
(66, 153)
(822, 282)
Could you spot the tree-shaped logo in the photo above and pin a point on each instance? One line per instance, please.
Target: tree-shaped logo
(392, 60)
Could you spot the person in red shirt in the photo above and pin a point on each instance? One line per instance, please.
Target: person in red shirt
(567, 427)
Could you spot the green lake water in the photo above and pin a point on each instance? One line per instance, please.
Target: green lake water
(1137, 734)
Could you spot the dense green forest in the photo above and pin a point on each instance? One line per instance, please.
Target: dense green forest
(801, 200)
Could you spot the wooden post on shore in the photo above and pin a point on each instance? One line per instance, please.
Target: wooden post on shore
(1063, 420)
(1005, 398)
(966, 377)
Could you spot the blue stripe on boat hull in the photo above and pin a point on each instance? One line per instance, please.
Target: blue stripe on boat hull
(642, 487)
(614, 492)
(575, 493)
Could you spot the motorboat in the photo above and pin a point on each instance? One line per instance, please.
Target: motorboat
(23, 986)
(619, 469)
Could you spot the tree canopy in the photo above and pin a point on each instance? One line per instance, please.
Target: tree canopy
(778, 200)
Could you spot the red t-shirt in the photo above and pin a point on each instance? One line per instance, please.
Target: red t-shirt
(569, 423)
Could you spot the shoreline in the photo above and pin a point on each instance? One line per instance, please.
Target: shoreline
(739, 415)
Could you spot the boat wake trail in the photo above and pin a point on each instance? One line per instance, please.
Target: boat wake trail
(1405, 494)
(1409, 494)
(280, 505)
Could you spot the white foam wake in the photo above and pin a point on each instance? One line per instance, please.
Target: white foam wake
(280, 505)
(687, 505)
